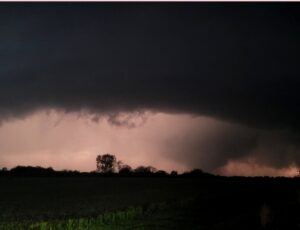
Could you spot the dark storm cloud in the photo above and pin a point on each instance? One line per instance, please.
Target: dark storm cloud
(234, 62)
(231, 61)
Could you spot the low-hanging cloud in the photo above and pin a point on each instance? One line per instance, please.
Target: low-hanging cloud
(213, 145)
(129, 120)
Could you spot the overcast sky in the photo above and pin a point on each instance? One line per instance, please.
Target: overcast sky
(173, 85)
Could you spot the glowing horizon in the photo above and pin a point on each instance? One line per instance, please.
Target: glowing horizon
(165, 141)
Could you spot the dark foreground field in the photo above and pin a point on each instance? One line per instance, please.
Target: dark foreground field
(149, 203)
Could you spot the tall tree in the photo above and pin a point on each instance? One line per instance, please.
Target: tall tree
(106, 163)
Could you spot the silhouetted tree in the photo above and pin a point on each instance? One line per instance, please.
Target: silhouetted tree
(120, 164)
(4, 171)
(196, 173)
(174, 173)
(161, 173)
(145, 171)
(125, 170)
(106, 163)
(31, 171)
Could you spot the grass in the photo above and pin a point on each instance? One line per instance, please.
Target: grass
(86, 203)
(108, 220)
(38, 199)
(149, 217)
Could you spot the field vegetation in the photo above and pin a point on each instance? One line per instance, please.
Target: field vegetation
(148, 203)
(144, 198)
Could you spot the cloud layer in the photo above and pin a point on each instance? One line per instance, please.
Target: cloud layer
(231, 61)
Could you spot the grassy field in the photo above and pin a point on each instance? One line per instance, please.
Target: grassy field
(147, 203)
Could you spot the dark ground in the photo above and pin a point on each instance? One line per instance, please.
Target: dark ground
(191, 203)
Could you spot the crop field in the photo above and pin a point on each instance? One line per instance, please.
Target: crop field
(147, 203)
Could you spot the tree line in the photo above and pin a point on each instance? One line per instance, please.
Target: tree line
(106, 165)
